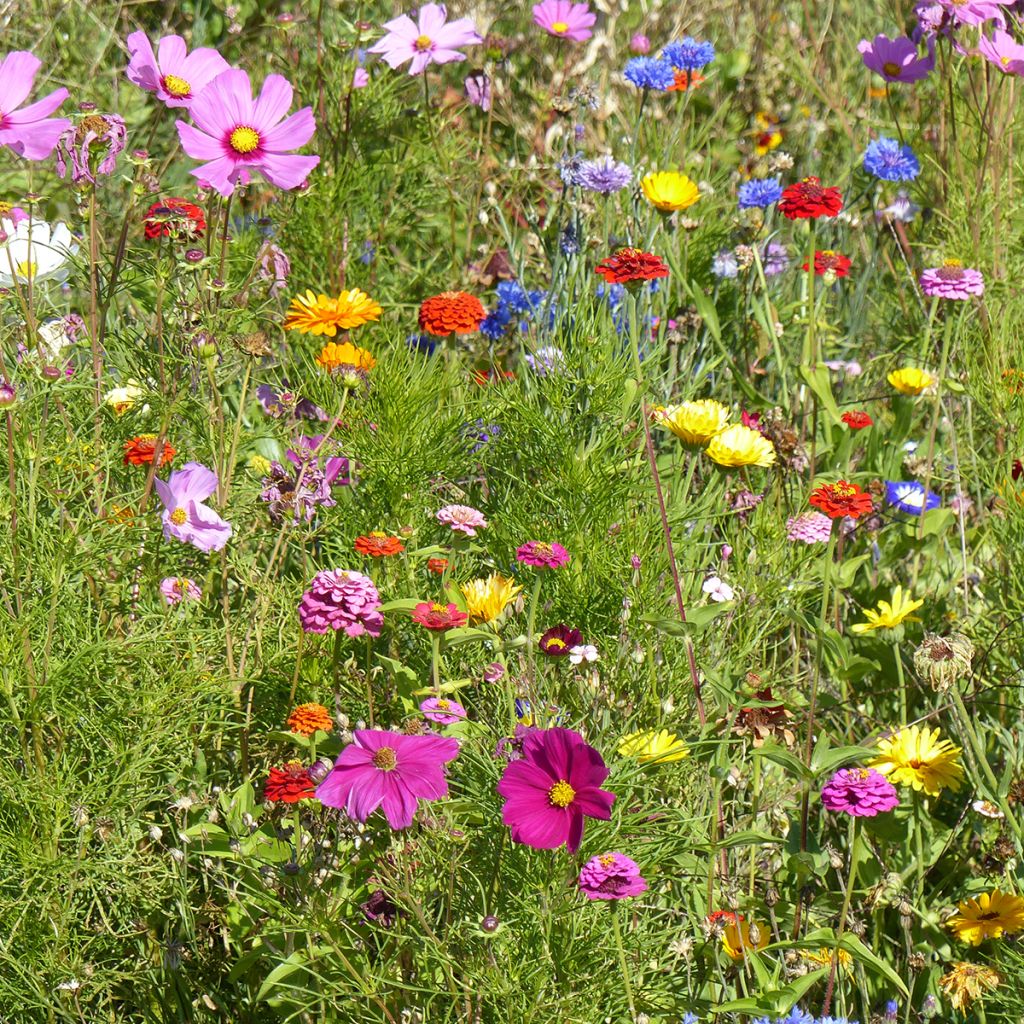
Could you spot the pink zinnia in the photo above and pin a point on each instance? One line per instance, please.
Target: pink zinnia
(542, 555)
(1004, 51)
(810, 528)
(337, 599)
(439, 617)
(174, 74)
(896, 60)
(553, 788)
(564, 19)
(442, 710)
(952, 281)
(388, 770)
(862, 792)
(185, 516)
(428, 40)
(611, 876)
(462, 519)
(176, 589)
(237, 135)
(30, 131)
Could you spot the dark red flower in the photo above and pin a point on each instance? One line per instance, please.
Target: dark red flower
(857, 420)
(559, 640)
(842, 499)
(629, 265)
(1017, 469)
(177, 218)
(829, 261)
(808, 200)
(288, 784)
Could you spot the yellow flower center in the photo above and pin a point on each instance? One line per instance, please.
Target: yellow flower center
(378, 534)
(385, 759)
(181, 585)
(178, 516)
(556, 643)
(891, 68)
(559, 27)
(952, 263)
(561, 794)
(423, 43)
(440, 609)
(1005, 61)
(177, 87)
(244, 139)
(444, 705)
(5, 207)
(608, 860)
(26, 268)
(543, 548)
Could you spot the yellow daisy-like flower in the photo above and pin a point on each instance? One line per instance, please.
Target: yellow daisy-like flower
(694, 422)
(889, 614)
(909, 380)
(740, 446)
(917, 757)
(823, 958)
(669, 191)
(987, 917)
(653, 746)
(320, 314)
(744, 935)
(964, 983)
(487, 599)
(124, 398)
(334, 355)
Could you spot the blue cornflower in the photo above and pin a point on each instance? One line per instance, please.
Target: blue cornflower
(689, 55)
(605, 175)
(891, 1012)
(568, 169)
(369, 252)
(759, 192)
(496, 322)
(569, 242)
(422, 343)
(648, 73)
(514, 296)
(480, 433)
(910, 496)
(724, 264)
(613, 293)
(888, 160)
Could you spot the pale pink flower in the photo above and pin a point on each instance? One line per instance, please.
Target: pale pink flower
(462, 519)
(176, 589)
(29, 131)
(172, 73)
(428, 40)
(564, 19)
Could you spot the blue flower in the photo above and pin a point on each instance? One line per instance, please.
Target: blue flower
(496, 323)
(910, 496)
(480, 433)
(648, 73)
(724, 264)
(569, 242)
(775, 258)
(689, 55)
(605, 175)
(422, 343)
(759, 192)
(901, 208)
(888, 160)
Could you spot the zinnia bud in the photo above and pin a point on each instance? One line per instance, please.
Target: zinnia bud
(943, 660)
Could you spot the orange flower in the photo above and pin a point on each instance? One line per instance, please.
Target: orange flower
(334, 355)
(451, 313)
(842, 499)
(437, 565)
(307, 719)
(378, 545)
(686, 80)
(141, 450)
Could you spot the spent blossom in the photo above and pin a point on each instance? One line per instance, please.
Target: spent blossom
(90, 148)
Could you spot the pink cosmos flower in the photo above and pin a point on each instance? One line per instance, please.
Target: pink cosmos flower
(428, 40)
(1004, 51)
(975, 12)
(564, 19)
(541, 555)
(862, 792)
(442, 710)
(896, 60)
(185, 516)
(388, 770)
(174, 74)
(611, 876)
(477, 89)
(552, 788)
(360, 78)
(176, 589)
(30, 131)
(462, 519)
(237, 136)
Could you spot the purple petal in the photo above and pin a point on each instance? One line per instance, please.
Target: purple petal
(197, 144)
(170, 55)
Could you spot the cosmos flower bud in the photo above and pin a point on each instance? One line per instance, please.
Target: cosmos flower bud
(8, 396)
(943, 660)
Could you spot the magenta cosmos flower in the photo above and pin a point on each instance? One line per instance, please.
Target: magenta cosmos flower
(896, 60)
(462, 519)
(337, 599)
(542, 555)
(428, 40)
(237, 136)
(1002, 50)
(952, 281)
(176, 589)
(564, 19)
(29, 131)
(553, 788)
(611, 876)
(388, 770)
(174, 74)
(185, 516)
(862, 792)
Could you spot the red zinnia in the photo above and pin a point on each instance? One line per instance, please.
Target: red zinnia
(842, 499)
(439, 616)
(141, 450)
(629, 265)
(451, 313)
(177, 218)
(826, 260)
(808, 200)
(378, 545)
(685, 80)
(488, 376)
(437, 565)
(288, 785)
(857, 420)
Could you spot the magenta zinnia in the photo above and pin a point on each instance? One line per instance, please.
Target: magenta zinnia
(388, 770)
(541, 555)
(862, 792)
(611, 876)
(337, 599)
(555, 785)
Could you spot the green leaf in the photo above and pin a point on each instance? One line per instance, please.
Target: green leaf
(747, 837)
(818, 380)
(697, 619)
(859, 951)
(936, 521)
(296, 962)
(781, 756)
(405, 604)
(837, 757)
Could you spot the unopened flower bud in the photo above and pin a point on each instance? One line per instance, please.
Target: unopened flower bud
(944, 660)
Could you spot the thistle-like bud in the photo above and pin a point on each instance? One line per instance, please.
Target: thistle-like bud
(943, 660)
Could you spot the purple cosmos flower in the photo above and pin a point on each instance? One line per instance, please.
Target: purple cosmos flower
(910, 496)
(477, 89)
(975, 12)
(29, 131)
(462, 519)
(337, 599)
(542, 555)
(172, 73)
(1002, 50)
(442, 710)
(555, 785)
(176, 589)
(611, 876)
(236, 135)
(428, 40)
(952, 281)
(91, 147)
(809, 528)
(564, 19)
(604, 175)
(282, 403)
(862, 792)
(380, 909)
(896, 60)
(185, 516)
(390, 771)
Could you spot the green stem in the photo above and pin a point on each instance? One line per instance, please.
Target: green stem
(531, 626)
(850, 882)
(435, 662)
(623, 964)
(901, 681)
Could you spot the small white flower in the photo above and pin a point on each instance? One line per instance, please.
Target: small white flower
(54, 338)
(911, 446)
(581, 653)
(71, 985)
(987, 809)
(33, 251)
(717, 589)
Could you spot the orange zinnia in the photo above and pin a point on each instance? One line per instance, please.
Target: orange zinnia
(451, 313)
(437, 565)
(334, 355)
(307, 719)
(378, 545)
(141, 450)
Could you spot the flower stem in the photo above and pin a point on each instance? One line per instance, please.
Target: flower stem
(623, 964)
(850, 882)
(435, 662)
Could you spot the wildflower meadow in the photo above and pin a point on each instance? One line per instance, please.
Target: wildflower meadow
(510, 513)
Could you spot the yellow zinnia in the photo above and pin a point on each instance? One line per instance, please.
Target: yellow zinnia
(669, 191)
(823, 958)
(740, 935)
(917, 757)
(487, 599)
(889, 615)
(740, 446)
(694, 422)
(987, 917)
(320, 314)
(653, 747)
(334, 355)
(966, 982)
(909, 380)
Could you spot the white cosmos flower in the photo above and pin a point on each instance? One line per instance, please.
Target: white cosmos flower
(34, 251)
(582, 653)
(717, 589)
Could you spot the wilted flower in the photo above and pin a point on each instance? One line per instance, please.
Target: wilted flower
(964, 983)
(943, 661)
(91, 147)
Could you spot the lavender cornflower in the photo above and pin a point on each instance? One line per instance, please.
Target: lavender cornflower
(546, 360)
(775, 259)
(604, 175)
(901, 208)
(725, 264)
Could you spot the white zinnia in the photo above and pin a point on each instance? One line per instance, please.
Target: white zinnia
(34, 251)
